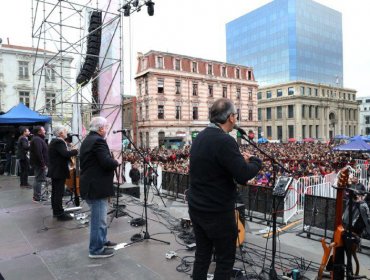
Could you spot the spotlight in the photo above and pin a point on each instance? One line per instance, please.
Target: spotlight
(150, 5)
(135, 3)
(126, 10)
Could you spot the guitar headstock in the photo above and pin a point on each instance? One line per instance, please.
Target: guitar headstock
(343, 176)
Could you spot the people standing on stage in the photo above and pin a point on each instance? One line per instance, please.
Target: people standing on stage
(9, 152)
(96, 185)
(39, 161)
(215, 164)
(59, 158)
(135, 174)
(23, 146)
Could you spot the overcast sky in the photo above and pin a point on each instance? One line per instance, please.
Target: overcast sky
(197, 28)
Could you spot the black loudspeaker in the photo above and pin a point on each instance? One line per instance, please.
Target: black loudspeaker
(92, 50)
(240, 207)
(130, 189)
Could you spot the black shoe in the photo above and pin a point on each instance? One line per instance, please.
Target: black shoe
(38, 200)
(64, 217)
(107, 252)
(110, 244)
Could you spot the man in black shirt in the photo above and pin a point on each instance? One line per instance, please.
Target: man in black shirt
(23, 148)
(215, 164)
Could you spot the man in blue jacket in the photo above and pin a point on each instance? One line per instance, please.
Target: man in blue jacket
(96, 185)
(215, 164)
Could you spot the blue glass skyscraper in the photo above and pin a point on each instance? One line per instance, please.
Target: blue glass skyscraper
(289, 40)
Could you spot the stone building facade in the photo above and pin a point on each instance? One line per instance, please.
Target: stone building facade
(306, 110)
(364, 115)
(175, 93)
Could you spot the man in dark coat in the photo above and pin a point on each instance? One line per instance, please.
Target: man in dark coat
(135, 174)
(22, 151)
(59, 157)
(96, 185)
(215, 164)
(39, 161)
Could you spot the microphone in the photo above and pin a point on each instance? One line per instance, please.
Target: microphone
(241, 131)
(120, 131)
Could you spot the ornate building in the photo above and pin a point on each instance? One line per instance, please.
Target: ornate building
(42, 91)
(305, 110)
(175, 93)
(364, 116)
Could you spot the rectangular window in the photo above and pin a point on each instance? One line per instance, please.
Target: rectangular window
(24, 97)
(259, 95)
(269, 131)
(223, 71)
(195, 113)
(279, 112)
(310, 112)
(268, 113)
(279, 130)
(309, 91)
(178, 112)
(279, 92)
(250, 115)
(317, 131)
(23, 72)
(49, 74)
(302, 90)
(259, 114)
(290, 111)
(291, 91)
(177, 64)
(195, 89)
(161, 112)
(310, 131)
(147, 112)
(146, 87)
(303, 111)
(303, 131)
(250, 96)
(316, 92)
(210, 69)
(194, 67)
(224, 91)
(238, 92)
(239, 117)
(268, 94)
(317, 112)
(140, 113)
(210, 90)
(50, 101)
(140, 89)
(237, 73)
(249, 75)
(160, 85)
(178, 86)
(290, 131)
(160, 62)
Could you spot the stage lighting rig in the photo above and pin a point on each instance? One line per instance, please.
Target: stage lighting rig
(131, 6)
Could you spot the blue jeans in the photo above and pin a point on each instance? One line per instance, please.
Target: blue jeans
(40, 178)
(98, 225)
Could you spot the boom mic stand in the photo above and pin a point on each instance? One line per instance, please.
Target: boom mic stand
(272, 272)
(146, 163)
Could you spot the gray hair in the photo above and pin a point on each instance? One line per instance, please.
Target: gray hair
(58, 129)
(221, 109)
(97, 122)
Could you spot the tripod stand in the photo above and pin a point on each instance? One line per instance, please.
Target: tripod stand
(118, 208)
(146, 191)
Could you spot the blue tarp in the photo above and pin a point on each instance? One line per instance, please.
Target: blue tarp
(262, 140)
(356, 146)
(360, 137)
(341, 136)
(22, 114)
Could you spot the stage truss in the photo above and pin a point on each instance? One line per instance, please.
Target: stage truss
(59, 35)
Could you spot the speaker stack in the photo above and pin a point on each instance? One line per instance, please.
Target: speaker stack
(93, 49)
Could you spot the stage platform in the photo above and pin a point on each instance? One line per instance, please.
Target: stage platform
(35, 246)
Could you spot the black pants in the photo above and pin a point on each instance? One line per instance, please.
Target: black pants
(25, 166)
(57, 191)
(218, 231)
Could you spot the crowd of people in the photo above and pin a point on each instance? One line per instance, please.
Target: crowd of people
(301, 159)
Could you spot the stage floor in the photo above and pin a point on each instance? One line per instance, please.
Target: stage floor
(34, 245)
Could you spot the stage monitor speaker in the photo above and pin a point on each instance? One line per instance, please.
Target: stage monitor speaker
(130, 189)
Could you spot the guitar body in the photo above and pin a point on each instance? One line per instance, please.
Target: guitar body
(333, 258)
(241, 230)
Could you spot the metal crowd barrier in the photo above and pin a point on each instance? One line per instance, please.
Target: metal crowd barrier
(174, 184)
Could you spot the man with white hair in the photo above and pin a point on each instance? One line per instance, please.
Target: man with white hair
(96, 185)
(59, 157)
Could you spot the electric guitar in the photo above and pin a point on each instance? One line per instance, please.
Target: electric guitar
(335, 262)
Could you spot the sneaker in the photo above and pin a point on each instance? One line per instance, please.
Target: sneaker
(64, 217)
(38, 200)
(110, 244)
(107, 252)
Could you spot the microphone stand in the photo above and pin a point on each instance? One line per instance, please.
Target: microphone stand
(146, 165)
(272, 272)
